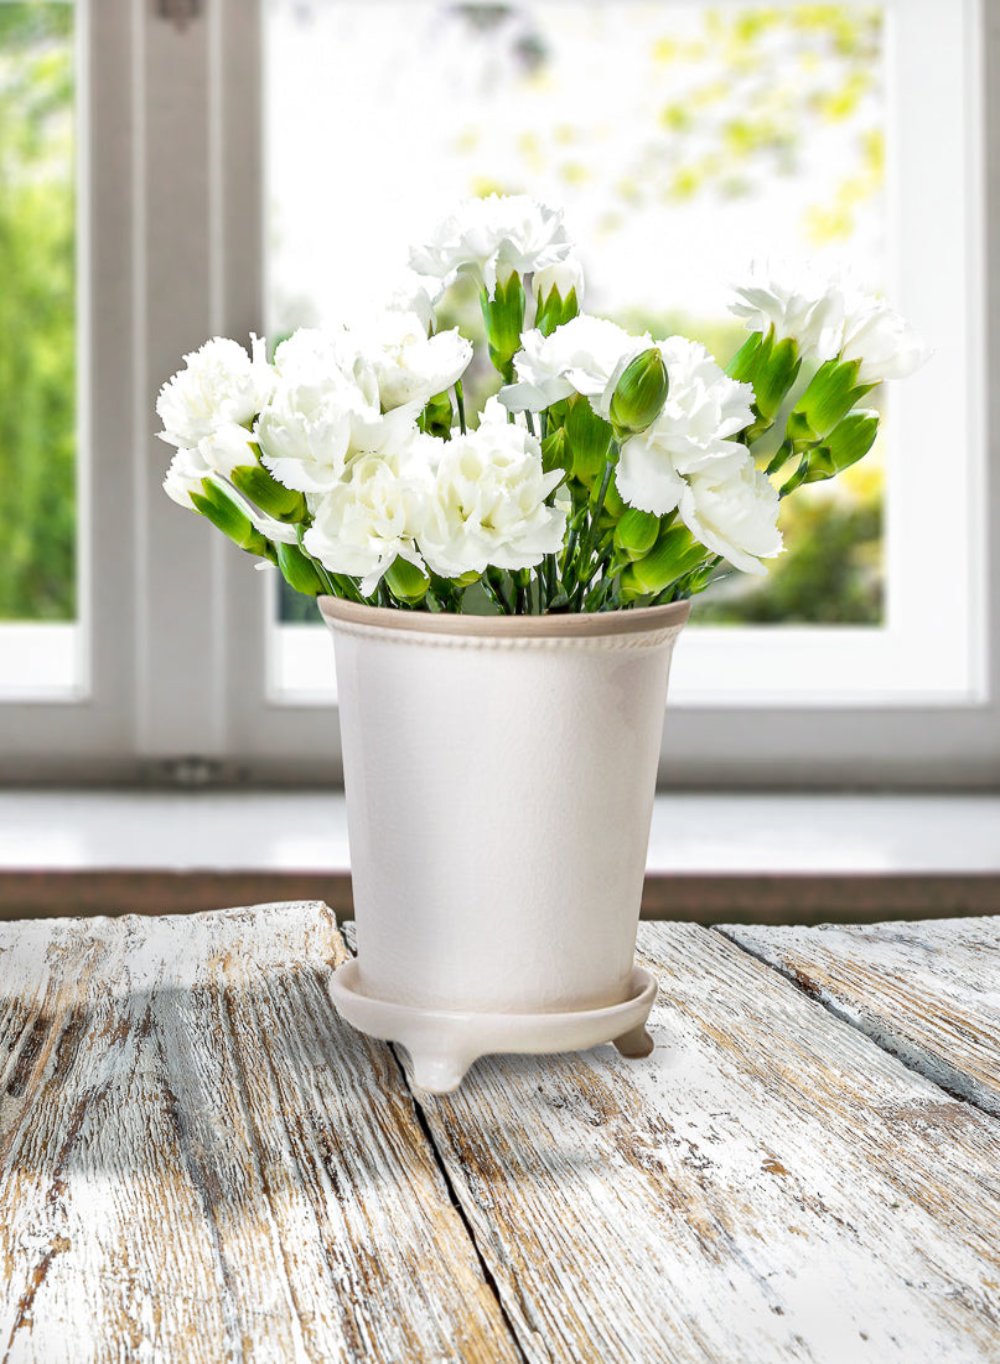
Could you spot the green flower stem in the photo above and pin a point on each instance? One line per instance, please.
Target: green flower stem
(460, 404)
(551, 579)
(584, 571)
(495, 581)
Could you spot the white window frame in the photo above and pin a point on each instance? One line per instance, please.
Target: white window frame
(172, 233)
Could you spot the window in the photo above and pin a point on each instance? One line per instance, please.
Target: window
(685, 140)
(40, 634)
(234, 176)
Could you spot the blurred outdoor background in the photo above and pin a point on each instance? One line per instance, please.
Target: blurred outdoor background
(683, 138)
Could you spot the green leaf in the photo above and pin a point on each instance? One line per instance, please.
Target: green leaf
(406, 582)
(556, 453)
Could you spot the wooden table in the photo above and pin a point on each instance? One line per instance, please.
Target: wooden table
(199, 1161)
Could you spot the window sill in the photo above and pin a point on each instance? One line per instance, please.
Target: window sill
(761, 858)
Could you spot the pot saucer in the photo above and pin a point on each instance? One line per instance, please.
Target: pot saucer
(443, 1043)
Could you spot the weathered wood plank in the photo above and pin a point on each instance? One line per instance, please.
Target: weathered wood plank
(198, 1161)
(768, 1186)
(928, 992)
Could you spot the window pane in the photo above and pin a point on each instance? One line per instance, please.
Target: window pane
(683, 139)
(37, 345)
(37, 322)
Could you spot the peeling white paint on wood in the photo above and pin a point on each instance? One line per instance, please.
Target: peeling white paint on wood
(929, 992)
(199, 1161)
(768, 1186)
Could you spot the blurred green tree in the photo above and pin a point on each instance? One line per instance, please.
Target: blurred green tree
(37, 314)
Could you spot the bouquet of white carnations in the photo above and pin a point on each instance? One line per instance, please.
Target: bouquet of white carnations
(610, 470)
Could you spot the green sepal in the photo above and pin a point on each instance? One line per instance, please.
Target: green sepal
(265, 492)
(771, 368)
(406, 582)
(639, 394)
(503, 316)
(436, 418)
(741, 365)
(554, 310)
(231, 519)
(832, 392)
(636, 532)
(298, 570)
(590, 439)
(849, 441)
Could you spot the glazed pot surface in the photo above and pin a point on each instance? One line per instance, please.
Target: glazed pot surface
(500, 774)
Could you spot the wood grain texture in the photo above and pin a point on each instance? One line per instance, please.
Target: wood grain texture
(768, 1186)
(928, 992)
(198, 1161)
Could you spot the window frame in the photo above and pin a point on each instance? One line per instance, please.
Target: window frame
(171, 160)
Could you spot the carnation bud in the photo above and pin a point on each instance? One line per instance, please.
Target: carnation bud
(298, 570)
(849, 441)
(589, 439)
(232, 520)
(675, 554)
(558, 293)
(636, 532)
(640, 394)
(265, 492)
(832, 392)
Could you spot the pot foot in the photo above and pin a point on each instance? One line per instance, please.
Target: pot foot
(437, 1073)
(635, 1043)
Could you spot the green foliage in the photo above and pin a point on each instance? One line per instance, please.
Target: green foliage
(831, 574)
(37, 314)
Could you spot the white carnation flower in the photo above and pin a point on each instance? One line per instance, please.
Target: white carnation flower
(586, 355)
(184, 477)
(703, 410)
(226, 449)
(732, 509)
(884, 342)
(370, 518)
(325, 409)
(797, 304)
(488, 504)
(220, 385)
(409, 365)
(493, 238)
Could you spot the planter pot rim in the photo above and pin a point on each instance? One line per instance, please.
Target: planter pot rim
(580, 625)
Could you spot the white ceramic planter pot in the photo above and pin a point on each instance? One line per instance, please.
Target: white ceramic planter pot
(500, 774)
